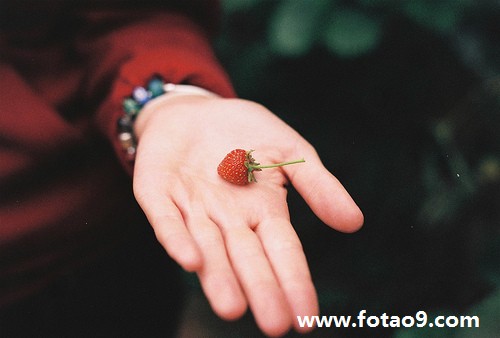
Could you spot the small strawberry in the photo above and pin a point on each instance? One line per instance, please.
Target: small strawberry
(238, 167)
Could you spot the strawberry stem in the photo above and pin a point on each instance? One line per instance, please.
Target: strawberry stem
(276, 165)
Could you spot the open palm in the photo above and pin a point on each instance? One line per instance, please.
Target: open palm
(238, 239)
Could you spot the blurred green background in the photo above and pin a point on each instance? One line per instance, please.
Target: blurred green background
(402, 101)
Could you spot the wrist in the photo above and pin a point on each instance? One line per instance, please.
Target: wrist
(165, 106)
(144, 101)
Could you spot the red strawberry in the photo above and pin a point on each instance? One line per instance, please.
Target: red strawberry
(238, 167)
(235, 167)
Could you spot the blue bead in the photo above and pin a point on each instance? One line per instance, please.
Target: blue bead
(155, 87)
(141, 95)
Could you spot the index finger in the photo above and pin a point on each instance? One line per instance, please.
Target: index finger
(165, 217)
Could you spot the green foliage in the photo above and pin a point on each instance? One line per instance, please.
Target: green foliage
(441, 16)
(237, 5)
(348, 29)
(351, 33)
(294, 26)
(402, 101)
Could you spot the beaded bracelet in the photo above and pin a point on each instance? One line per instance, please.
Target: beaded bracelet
(133, 104)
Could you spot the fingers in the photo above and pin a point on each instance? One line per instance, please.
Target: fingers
(217, 278)
(264, 292)
(171, 231)
(236, 265)
(324, 194)
(284, 250)
(164, 216)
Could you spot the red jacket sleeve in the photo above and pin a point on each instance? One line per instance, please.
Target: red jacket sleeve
(134, 46)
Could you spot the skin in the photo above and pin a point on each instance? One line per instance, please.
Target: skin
(238, 239)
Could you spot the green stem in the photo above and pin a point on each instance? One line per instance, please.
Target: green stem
(277, 164)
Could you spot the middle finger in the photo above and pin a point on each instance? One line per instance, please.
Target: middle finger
(264, 293)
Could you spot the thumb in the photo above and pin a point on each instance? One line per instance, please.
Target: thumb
(325, 195)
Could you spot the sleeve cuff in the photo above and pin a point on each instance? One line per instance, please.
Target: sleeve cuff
(176, 63)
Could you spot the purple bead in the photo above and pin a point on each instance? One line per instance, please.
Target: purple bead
(141, 95)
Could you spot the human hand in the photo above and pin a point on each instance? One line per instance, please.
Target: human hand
(238, 239)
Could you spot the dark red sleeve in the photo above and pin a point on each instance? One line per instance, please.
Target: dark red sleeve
(65, 67)
(140, 45)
